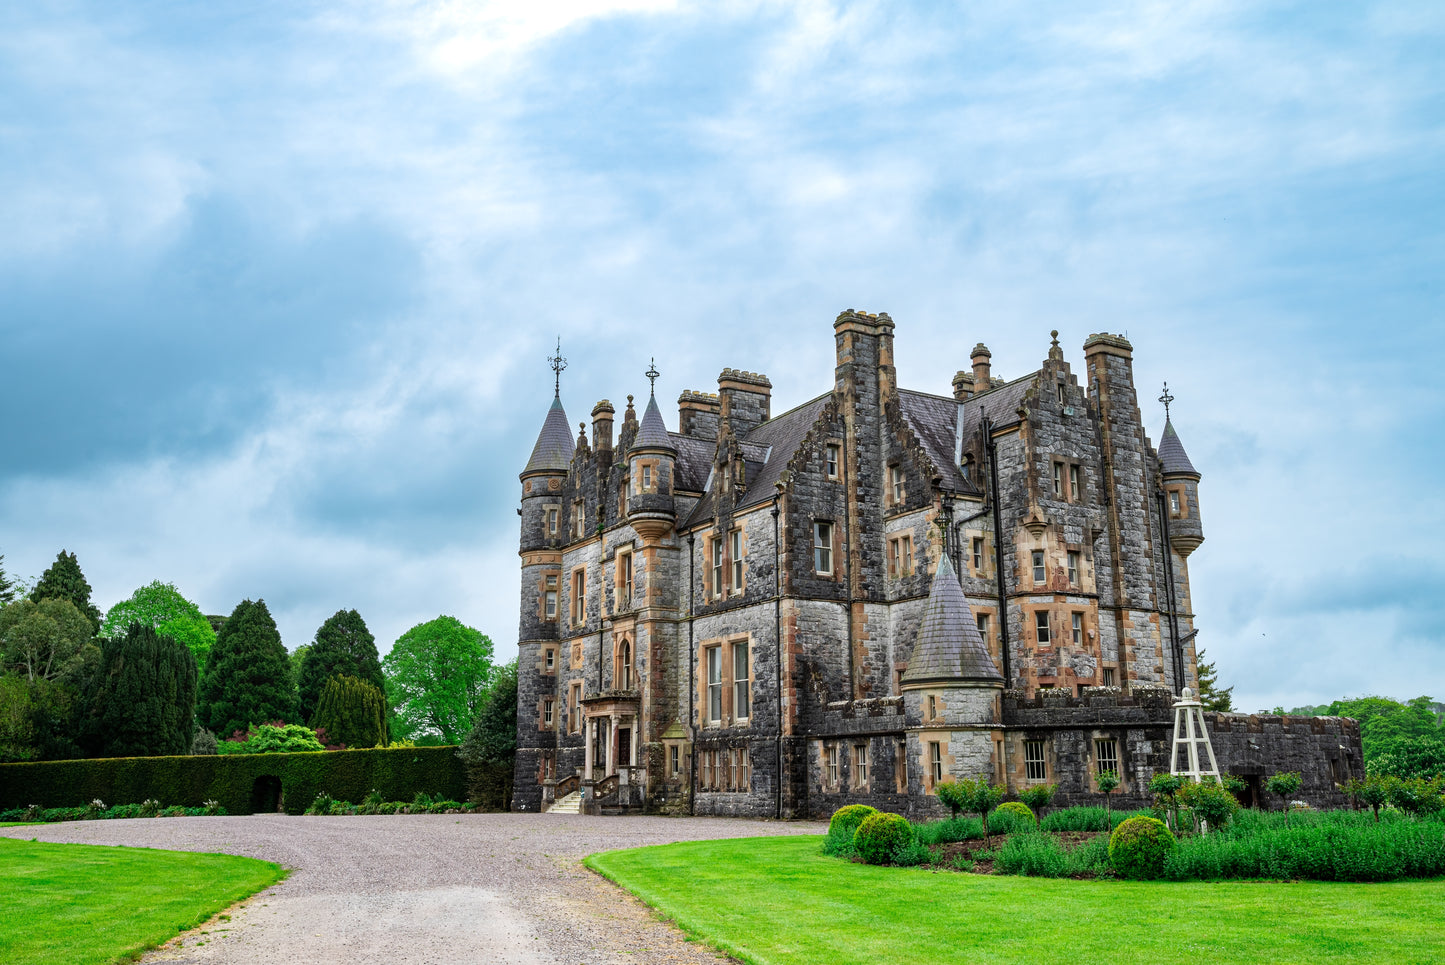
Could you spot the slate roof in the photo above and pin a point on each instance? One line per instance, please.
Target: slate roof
(934, 419)
(1172, 457)
(554, 447)
(693, 463)
(779, 439)
(949, 647)
(653, 434)
(1000, 404)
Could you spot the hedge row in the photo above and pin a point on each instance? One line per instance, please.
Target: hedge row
(241, 783)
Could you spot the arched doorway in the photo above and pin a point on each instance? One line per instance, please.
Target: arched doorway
(266, 795)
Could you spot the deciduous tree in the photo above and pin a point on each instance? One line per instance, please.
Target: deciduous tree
(343, 647)
(162, 607)
(248, 678)
(47, 639)
(436, 679)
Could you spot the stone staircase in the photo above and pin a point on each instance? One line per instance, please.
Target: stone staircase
(571, 804)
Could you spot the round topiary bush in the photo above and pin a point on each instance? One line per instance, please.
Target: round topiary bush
(881, 836)
(1018, 812)
(1139, 846)
(846, 819)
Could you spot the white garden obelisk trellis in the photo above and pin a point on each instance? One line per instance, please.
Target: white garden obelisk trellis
(1190, 734)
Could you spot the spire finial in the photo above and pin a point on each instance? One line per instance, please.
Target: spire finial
(1055, 335)
(1166, 398)
(557, 364)
(652, 375)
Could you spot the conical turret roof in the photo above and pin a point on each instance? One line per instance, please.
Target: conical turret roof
(949, 647)
(554, 448)
(1172, 457)
(652, 434)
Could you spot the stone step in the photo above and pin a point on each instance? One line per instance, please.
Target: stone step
(571, 804)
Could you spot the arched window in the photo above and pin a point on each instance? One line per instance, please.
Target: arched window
(623, 670)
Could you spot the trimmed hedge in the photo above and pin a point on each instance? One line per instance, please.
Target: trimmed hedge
(236, 781)
(1139, 847)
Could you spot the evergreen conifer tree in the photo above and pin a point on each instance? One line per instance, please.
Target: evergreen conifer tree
(1211, 695)
(65, 581)
(248, 678)
(343, 647)
(352, 712)
(145, 700)
(7, 585)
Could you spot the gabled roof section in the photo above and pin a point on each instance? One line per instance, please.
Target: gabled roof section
(933, 420)
(1173, 460)
(1000, 404)
(949, 647)
(554, 448)
(693, 463)
(653, 434)
(779, 438)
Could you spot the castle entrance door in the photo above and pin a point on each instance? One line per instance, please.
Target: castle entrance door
(624, 746)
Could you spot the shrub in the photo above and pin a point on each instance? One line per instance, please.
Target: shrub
(371, 804)
(981, 797)
(949, 829)
(1038, 797)
(913, 854)
(1011, 817)
(1286, 784)
(881, 836)
(322, 804)
(847, 818)
(1139, 847)
(1211, 802)
(951, 795)
(1033, 853)
(204, 742)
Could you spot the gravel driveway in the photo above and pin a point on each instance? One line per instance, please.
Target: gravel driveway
(426, 888)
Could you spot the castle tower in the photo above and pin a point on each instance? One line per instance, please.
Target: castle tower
(540, 546)
(1181, 488)
(951, 690)
(650, 465)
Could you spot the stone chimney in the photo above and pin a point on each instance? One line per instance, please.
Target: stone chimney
(962, 385)
(745, 400)
(698, 414)
(602, 414)
(981, 378)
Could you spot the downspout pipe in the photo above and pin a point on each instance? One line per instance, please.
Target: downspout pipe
(991, 450)
(778, 655)
(1175, 650)
(691, 681)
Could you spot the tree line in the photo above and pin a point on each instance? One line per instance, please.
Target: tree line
(154, 675)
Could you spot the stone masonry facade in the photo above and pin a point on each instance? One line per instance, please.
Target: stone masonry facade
(869, 593)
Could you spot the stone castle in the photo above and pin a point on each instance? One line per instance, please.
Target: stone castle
(869, 593)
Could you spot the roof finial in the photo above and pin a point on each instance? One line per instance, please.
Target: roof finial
(652, 374)
(1166, 398)
(557, 363)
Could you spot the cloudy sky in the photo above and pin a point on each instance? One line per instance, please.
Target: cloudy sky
(277, 281)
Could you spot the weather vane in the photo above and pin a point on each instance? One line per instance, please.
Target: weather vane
(652, 374)
(1166, 398)
(557, 363)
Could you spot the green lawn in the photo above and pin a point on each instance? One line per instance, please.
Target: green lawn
(775, 900)
(80, 903)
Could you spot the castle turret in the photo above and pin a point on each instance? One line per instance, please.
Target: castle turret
(1181, 488)
(952, 688)
(650, 464)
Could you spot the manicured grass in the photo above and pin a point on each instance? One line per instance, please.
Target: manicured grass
(15, 824)
(79, 903)
(776, 900)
